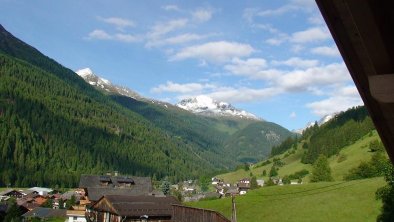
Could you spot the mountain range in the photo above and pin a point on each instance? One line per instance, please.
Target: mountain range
(57, 125)
(201, 105)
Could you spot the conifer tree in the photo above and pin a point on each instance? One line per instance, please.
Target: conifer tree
(321, 170)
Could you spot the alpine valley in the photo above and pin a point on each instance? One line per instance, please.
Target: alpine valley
(57, 125)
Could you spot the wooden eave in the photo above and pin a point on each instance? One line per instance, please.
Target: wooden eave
(364, 32)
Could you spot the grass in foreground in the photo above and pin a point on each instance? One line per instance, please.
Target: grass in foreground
(328, 201)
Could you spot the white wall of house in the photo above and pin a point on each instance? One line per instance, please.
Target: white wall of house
(76, 218)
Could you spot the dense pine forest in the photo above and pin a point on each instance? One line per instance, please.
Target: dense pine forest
(55, 127)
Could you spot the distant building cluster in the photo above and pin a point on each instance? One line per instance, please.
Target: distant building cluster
(105, 198)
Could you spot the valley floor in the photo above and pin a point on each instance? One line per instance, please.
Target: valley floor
(326, 201)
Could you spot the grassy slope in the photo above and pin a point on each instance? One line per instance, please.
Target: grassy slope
(329, 201)
(354, 153)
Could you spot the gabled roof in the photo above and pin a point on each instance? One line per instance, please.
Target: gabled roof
(95, 189)
(113, 181)
(136, 206)
(5, 192)
(42, 212)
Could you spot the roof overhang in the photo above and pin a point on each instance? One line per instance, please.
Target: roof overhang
(364, 33)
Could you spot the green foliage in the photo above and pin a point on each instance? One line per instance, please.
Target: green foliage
(253, 183)
(165, 187)
(298, 175)
(255, 141)
(374, 168)
(273, 171)
(344, 129)
(284, 146)
(264, 173)
(321, 170)
(71, 202)
(269, 182)
(204, 182)
(246, 167)
(279, 163)
(386, 194)
(197, 131)
(13, 212)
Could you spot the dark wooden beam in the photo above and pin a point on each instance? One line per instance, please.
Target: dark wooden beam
(364, 38)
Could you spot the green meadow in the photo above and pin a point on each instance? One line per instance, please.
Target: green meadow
(326, 201)
(349, 157)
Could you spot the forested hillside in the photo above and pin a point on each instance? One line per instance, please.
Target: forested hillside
(55, 126)
(254, 142)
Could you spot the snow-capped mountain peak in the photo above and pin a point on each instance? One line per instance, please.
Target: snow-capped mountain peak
(94, 80)
(322, 121)
(84, 73)
(205, 105)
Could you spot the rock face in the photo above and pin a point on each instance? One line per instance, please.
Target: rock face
(205, 105)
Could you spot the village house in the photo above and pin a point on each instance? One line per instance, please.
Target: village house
(232, 191)
(96, 187)
(260, 183)
(243, 186)
(11, 193)
(43, 214)
(116, 208)
(76, 214)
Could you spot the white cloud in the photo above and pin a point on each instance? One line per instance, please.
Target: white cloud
(293, 115)
(254, 68)
(316, 19)
(126, 37)
(181, 88)
(248, 67)
(102, 35)
(179, 39)
(343, 99)
(279, 11)
(202, 15)
(326, 51)
(266, 27)
(275, 41)
(99, 34)
(297, 48)
(313, 34)
(171, 8)
(304, 4)
(119, 23)
(314, 77)
(297, 62)
(249, 13)
(162, 28)
(243, 94)
(216, 52)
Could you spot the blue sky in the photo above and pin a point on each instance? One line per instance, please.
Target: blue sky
(275, 59)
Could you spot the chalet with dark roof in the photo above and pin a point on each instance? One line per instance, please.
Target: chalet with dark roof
(116, 208)
(98, 186)
(11, 193)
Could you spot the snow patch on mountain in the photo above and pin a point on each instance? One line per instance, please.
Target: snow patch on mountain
(94, 80)
(205, 105)
(322, 121)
